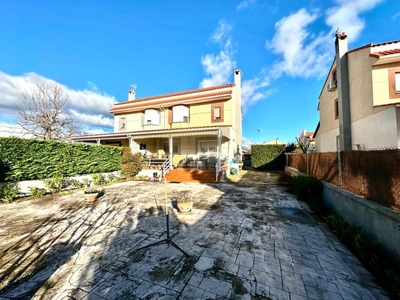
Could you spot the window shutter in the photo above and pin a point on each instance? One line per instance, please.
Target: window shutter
(170, 116)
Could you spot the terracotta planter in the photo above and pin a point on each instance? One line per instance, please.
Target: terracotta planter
(185, 207)
(91, 196)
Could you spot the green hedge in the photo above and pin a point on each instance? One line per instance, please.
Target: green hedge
(30, 159)
(268, 157)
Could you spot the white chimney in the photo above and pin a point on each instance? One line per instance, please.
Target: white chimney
(131, 95)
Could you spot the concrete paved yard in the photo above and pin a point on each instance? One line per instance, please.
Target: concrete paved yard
(248, 239)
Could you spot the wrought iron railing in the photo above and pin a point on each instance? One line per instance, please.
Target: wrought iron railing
(166, 166)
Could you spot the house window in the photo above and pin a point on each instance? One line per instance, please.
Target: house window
(336, 109)
(397, 82)
(122, 123)
(394, 82)
(180, 113)
(334, 75)
(174, 147)
(217, 112)
(207, 148)
(151, 117)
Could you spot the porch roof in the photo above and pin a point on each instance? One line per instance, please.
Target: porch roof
(158, 133)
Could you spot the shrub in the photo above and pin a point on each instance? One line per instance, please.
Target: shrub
(9, 191)
(37, 192)
(86, 182)
(76, 183)
(98, 179)
(57, 182)
(307, 188)
(131, 164)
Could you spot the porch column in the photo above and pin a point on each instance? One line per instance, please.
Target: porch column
(98, 141)
(219, 141)
(171, 148)
(130, 142)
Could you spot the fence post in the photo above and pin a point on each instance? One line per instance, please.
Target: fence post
(307, 163)
(340, 166)
(287, 159)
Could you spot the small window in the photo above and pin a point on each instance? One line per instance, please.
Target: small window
(394, 82)
(334, 75)
(151, 117)
(122, 123)
(180, 113)
(217, 112)
(397, 82)
(336, 109)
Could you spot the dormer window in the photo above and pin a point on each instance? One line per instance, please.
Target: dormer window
(180, 113)
(151, 117)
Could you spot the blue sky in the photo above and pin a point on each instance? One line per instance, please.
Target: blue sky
(98, 49)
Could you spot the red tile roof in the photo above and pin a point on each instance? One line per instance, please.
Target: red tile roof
(386, 52)
(212, 88)
(142, 102)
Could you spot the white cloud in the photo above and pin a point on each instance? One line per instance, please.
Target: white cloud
(219, 68)
(304, 54)
(91, 106)
(254, 90)
(245, 4)
(246, 144)
(396, 16)
(346, 16)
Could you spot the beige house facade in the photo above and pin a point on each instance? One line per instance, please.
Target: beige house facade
(204, 123)
(359, 104)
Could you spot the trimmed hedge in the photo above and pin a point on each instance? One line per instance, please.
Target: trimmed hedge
(268, 157)
(30, 159)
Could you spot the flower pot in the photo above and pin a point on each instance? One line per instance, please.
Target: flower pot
(185, 207)
(91, 196)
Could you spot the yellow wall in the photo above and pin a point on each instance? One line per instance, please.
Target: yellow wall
(381, 84)
(200, 116)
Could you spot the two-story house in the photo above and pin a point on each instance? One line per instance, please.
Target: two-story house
(359, 103)
(202, 125)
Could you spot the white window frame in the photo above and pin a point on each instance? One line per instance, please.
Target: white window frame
(208, 153)
(180, 113)
(122, 123)
(151, 117)
(397, 82)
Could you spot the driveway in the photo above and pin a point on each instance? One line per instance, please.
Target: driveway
(246, 239)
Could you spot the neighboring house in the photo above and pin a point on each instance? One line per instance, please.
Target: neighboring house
(359, 104)
(274, 142)
(307, 141)
(204, 123)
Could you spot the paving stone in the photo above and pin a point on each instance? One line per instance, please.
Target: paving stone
(293, 283)
(278, 294)
(192, 292)
(204, 263)
(279, 257)
(215, 286)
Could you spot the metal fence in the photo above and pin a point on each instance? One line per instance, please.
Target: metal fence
(374, 175)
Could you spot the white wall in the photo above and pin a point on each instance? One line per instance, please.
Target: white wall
(326, 142)
(378, 130)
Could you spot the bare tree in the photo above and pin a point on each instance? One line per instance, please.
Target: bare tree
(45, 112)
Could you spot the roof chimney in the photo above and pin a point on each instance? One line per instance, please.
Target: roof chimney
(131, 95)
